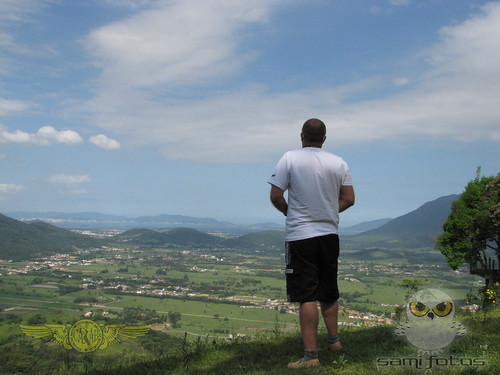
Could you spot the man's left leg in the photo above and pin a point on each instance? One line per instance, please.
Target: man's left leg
(309, 318)
(302, 286)
(329, 290)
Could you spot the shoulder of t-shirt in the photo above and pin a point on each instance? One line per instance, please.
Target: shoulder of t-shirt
(293, 152)
(332, 154)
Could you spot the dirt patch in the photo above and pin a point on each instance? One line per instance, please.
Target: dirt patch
(20, 308)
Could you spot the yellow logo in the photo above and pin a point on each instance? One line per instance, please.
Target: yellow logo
(85, 335)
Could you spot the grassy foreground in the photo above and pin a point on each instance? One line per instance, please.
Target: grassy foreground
(367, 351)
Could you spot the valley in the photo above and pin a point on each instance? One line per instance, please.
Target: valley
(203, 288)
(216, 292)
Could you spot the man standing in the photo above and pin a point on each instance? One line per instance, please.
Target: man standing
(319, 188)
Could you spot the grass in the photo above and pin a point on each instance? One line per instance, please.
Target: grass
(367, 351)
(199, 317)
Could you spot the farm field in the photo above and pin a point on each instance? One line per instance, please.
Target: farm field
(207, 293)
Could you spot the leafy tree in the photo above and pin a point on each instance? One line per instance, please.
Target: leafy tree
(472, 230)
(161, 271)
(37, 280)
(174, 318)
(37, 319)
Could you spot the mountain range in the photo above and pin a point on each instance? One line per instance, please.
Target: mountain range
(27, 240)
(95, 220)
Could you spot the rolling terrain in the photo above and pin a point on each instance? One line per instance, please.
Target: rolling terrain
(395, 238)
(217, 300)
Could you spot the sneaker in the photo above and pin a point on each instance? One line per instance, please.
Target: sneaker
(336, 347)
(299, 364)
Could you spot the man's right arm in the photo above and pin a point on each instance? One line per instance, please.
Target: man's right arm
(346, 197)
(278, 200)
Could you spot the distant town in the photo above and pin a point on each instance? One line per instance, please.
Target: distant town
(92, 275)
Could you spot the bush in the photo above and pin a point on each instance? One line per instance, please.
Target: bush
(37, 319)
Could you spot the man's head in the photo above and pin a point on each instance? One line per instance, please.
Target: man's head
(313, 133)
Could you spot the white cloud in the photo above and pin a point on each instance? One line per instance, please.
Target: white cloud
(401, 81)
(104, 142)
(177, 42)
(18, 10)
(9, 106)
(7, 42)
(46, 135)
(399, 2)
(471, 49)
(68, 180)
(129, 4)
(456, 98)
(71, 184)
(10, 188)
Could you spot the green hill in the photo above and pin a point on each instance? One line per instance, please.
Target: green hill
(177, 237)
(21, 241)
(190, 237)
(363, 227)
(147, 237)
(269, 240)
(416, 229)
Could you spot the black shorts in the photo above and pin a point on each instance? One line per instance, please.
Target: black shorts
(311, 270)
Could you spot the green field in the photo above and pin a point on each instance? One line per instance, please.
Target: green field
(222, 292)
(188, 296)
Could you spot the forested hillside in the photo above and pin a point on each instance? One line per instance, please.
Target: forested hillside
(20, 241)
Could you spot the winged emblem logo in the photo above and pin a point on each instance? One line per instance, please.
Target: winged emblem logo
(85, 335)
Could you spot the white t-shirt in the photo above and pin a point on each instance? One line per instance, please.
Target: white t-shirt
(313, 178)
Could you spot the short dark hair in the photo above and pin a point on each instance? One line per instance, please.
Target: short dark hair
(314, 130)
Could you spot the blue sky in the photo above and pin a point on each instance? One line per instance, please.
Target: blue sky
(146, 107)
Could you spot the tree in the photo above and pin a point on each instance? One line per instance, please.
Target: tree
(37, 319)
(174, 318)
(161, 271)
(471, 233)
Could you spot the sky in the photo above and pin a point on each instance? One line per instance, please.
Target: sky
(149, 107)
